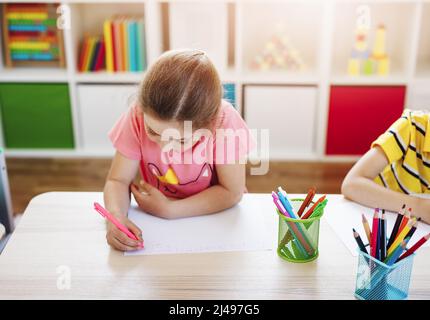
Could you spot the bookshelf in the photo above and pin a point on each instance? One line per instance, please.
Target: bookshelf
(322, 32)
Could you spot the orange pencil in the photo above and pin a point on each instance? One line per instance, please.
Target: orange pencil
(308, 199)
(309, 212)
(405, 220)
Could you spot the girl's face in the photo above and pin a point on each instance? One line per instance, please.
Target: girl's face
(169, 135)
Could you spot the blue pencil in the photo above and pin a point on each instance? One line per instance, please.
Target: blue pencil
(397, 253)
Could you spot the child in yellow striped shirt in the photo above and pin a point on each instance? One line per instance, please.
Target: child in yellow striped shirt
(396, 169)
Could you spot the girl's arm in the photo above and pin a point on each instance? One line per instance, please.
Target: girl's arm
(117, 201)
(228, 192)
(359, 186)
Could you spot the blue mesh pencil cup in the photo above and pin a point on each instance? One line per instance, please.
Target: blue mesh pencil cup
(379, 281)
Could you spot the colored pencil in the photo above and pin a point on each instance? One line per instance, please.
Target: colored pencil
(396, 226)
(383, 238)
(309, 212)
(366, 228)
(307, 201)
(375, 226)
(396, 254)
(359, 241)
(415, 247)
(405, 221)
(400, 237)
(413, 229)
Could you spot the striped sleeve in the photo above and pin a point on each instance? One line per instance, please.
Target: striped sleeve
(395, 141)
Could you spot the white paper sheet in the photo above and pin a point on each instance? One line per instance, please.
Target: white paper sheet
(343, 215)
(250, 225)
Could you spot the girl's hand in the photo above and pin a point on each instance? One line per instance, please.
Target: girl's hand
(119, 240)
(152, 200)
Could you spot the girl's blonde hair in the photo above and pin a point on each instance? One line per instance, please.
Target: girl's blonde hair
(182, 85)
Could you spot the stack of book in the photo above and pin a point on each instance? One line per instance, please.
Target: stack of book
(30, 33)
(92, 56)
(124, 37)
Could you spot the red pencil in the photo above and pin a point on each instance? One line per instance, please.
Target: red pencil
(308, 199)
(415, 247)
(309, 212)
(375, 226)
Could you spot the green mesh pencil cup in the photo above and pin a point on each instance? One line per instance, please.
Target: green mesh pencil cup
(298, 238)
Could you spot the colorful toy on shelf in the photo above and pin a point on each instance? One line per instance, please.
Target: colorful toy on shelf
(278, 54)
(30, 35)
(360, 53)
(379, 55)
(362, 61)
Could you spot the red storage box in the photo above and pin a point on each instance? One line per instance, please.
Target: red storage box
(359, 114)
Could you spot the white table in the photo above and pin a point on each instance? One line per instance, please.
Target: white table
(61, 229)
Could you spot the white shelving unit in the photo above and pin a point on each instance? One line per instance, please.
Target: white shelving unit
(322, 31)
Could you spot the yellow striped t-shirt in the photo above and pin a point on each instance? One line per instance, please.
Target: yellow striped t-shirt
(406, 145)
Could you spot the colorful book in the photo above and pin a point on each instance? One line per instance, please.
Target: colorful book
(118, 45)
(131, 26)
(107, 29)
(84, 48)
(124, 37)
(95, 54)
(113, 44)
(140, 46)
(90, 54)
(101, 57)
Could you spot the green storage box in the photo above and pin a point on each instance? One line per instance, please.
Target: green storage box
(36, 115)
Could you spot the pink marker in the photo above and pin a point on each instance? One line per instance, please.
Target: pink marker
(106, 214)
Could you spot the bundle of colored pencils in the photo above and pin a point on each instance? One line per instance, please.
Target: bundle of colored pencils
(393, 249)
(299, 230)
(312, 209)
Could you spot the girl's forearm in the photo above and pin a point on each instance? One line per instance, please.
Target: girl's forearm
(369, 193)
(211, 200)
(116, 197)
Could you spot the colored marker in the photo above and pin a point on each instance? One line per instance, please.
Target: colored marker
(293, 226)
(283, 197)
(106, 214)
(309, 212)
(307, 201)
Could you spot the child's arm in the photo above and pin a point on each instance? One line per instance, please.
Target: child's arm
(117, 201)
(359, 186)
(228, 192)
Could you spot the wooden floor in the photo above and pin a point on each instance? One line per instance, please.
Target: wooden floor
(29, 177)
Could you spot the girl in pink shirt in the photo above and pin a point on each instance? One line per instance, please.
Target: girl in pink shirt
(188, 144)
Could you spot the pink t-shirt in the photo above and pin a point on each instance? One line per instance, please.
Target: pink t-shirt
(181, 174)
